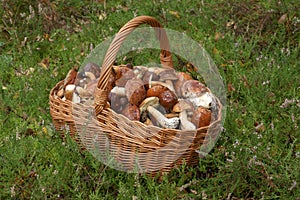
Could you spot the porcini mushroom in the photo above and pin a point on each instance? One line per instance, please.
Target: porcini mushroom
(201, 117)
(167, 76)
(90, 75)
(169, 123)
(139, 71)
(135, 91)
(83, 93)
(167, 99)
(185, 124)
(132, 112)
(183, 104)
(182, 77)
(166, 84)
(93, 68)
(71, 77)
(193, 88)
(150, 101)
(205, 100)
(155, 90)
(76, 98)
(150, 76)
(120, 91)
(69, 91)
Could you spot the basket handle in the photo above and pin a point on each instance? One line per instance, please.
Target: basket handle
(101, 93)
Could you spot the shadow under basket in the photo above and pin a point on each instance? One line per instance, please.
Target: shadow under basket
(119, 142)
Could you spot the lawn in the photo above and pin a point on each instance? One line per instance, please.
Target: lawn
(254, 44)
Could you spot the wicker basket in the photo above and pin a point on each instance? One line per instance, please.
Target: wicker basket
(137, 147)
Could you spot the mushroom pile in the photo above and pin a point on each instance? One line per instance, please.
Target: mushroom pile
(152, 95)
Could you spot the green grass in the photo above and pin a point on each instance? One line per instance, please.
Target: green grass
(255, 54)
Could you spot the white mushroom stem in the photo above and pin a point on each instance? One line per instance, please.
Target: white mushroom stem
(171, 123)
(120, 91)
(204, 100)
(185, 124)
(76, 98)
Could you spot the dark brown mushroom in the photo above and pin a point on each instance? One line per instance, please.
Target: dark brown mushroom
(71, 77)
(132, 112)
(167, 99)
(201, 117)
(156, 90)
(135, 91)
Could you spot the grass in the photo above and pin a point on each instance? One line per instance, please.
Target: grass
(255, 48)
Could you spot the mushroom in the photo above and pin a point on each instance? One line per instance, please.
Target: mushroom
(76, 98)
(185, 124)
(60, 93)
(201, 117)
(171, 123)
(90, 87)
(155, 90)
(117, 102)
(121, 91)
(71, 77)
(132, 112)
(170, 115)
(150, 101)
(169, 86)
(205, 100)
(124, 78)
(139, 71)
(193, 88)
(120, 71)
(111, 82)
(150, 76)
(182, 77)
(69, 91)
(183, 104)
(90, 75)
(83, 93)
(93, 68)
(167, 99)
(135, 91)
(129, 65)
(168, 75)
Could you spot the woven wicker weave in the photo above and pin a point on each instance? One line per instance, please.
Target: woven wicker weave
(137, 147)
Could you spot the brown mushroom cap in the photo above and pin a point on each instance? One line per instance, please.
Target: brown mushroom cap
(132, 112)
(183, 104)
(150, 76)
(167, 74)
(117, 102)
(193, 88)
(120, 71)
(92, 67)
(71, 77)
(201, 117)
(156, 90)
(123, 75)
(182, 77)
(167, 99)
(135, 91)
